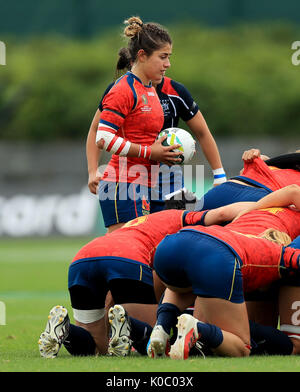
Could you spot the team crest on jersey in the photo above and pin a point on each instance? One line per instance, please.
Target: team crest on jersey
(146, 107)
(165, 106)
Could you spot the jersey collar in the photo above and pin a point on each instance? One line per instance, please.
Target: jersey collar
(138, 79)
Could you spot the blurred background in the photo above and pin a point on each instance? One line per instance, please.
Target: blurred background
(235, 57)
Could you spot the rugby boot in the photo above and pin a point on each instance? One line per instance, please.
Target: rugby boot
(119, 343)
(159, 343)
(187, 336)
(57, 330)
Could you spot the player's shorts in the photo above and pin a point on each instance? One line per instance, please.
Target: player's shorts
(170, 179)
(193, 259)
(121, 202)
(129, 281)
(227, 193)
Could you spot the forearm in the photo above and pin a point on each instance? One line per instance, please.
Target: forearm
(210, 150)
(280, 198)
(209, 146)
(207, 142)
(93, 152)
(226, 213)
(121, 146)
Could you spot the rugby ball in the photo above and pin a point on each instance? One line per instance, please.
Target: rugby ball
(180, 136)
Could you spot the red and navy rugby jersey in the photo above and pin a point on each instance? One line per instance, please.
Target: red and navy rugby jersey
(256, 222)
(132, 111)
(176, 102)
(137, 239)
(175, 99)
(258, 173)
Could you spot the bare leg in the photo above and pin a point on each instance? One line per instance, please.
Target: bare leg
(142, 312)
(231, 318)
(224, 327)
(232, 346)
(198, 314)
(182, 298)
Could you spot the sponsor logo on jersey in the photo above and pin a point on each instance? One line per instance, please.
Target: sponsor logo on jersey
(146, 108)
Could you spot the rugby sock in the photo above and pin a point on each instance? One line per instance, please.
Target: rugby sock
(140, 335)
(269, 340)
(167, 316)
(80, 342)
(210, 334)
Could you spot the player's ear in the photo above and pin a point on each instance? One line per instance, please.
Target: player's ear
(142, 55)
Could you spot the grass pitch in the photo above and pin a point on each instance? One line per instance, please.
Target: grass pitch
(33, 278)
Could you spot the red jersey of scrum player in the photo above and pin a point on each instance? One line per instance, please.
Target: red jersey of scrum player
(258, 173)
(137, 239)
(261, 261)
(131, 111)
(256, 222)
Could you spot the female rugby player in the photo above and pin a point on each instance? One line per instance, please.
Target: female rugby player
(129, 124)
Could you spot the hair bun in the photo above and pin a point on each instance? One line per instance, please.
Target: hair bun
(135, 25)
(124, 59)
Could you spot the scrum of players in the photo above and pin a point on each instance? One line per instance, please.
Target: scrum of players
(214, 281)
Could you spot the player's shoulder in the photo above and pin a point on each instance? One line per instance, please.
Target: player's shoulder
(122, 92)
(107, 90)
(172, 87)
(123, 82)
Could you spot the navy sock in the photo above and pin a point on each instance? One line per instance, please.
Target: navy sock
(140, 335)
(167, 316)
(80, 342)
(210, 334)
(269, 340)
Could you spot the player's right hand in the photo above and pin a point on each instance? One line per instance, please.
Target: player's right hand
(165, 154)
(249, 155)
(93, 182)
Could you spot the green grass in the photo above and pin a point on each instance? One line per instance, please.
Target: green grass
(33, 278)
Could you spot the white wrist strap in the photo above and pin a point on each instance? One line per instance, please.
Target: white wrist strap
(219, 176)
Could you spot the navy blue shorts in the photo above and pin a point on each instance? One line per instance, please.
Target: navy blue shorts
(227, 193)
(129, 281)
(121, 202)
(193, 259)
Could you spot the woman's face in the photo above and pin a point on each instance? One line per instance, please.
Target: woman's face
(155, 65)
